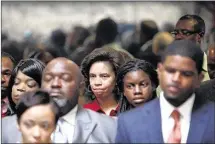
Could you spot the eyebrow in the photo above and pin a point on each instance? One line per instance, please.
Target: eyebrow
(6, 70)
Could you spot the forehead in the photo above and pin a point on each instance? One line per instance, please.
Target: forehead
(34, 113)
(185, 24)
(101, 66)
(180, 63)
(137, 74)
(6, 62)
(61, 67)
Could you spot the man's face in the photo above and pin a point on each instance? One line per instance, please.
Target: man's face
(6, 70)
(184, 30)
(60, 79)
(211, 62)
(37, 124)
(178, 77)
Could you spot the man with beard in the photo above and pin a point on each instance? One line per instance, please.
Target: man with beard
(7, 65)
(62, 79)
(180, 115)
(192, 27)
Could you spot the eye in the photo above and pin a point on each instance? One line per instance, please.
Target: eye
(170, 70)
(187, 74)
(28, 124)
(105, 76)
(16, 82)
(92, 76)
(47, 77)
(66, 77)
(6, 73)
(129, 86)
(144, 84)
(44, 125)
(31, 84)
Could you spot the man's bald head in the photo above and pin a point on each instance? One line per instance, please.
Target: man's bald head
(62, 78)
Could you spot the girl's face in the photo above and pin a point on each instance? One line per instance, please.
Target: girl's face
(137, 87)
(22, 83)
(102, 79)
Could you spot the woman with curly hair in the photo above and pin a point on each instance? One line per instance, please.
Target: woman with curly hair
(99, 69)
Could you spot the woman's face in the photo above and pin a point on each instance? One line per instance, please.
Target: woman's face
(37, 126)
(102, 79)
(22, 83)
(137, 87)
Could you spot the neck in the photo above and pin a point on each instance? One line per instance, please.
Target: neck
(107, 102)
(178, 102)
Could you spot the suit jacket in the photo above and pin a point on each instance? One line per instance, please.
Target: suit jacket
(143, 124)
(91, 127)
(207, 89)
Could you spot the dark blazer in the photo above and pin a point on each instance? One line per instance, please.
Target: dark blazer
(143, 124)
(207, 89)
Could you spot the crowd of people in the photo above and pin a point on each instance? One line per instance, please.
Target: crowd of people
(105, 85)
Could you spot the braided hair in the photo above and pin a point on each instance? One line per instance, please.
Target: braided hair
(134, 65)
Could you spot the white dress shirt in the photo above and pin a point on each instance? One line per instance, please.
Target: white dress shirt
(66, 126)
(167, 121)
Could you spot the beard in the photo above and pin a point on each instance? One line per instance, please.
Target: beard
(61, 102)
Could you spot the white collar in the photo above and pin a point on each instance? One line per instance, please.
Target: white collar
(185, 109)
(71, 115)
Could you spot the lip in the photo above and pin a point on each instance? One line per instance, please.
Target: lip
(55, 94)
(173, 89)
(139, 100)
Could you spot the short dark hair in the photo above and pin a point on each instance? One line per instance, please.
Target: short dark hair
(4, 54)
(134, 65)
(30, 67)
(101, 54)
(31, 99)
(106, 32)
(199, 25)
(185, 48)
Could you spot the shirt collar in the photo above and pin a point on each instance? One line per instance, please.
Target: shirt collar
(96, 107)
(185, 109)
(71, 116)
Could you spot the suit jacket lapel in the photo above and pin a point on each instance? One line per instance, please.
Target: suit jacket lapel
(83, 127)
(155, 131)
(198, 122)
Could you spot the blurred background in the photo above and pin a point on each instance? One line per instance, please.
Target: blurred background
(40, 18)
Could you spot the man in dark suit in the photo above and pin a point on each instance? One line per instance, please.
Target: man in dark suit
(179, 115)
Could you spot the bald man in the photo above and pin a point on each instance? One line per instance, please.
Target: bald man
(62, 79)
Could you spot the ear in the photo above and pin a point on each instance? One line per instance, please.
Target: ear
(159, 68)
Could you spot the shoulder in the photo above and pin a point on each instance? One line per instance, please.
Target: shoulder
(139, 113)
(9, 119)
(100, 118)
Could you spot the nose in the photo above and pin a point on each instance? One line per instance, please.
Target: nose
(137, 90)
(97, 82)
(56, 83)
(3, 79)
(21, 87)
(36, 132)
(178, 36)
(176, 77)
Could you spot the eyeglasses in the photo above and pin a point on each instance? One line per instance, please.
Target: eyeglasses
(183, 32)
